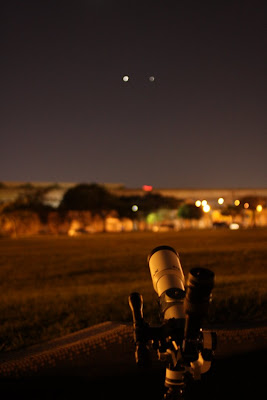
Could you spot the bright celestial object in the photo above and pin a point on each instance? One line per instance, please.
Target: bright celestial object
(125, 78)
(151, 78)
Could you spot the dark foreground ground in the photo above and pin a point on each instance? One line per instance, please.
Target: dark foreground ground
(101, 366)
(234, 377)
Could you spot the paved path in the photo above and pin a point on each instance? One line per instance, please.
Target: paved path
(102, 357)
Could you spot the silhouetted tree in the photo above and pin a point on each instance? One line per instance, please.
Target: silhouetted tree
(189, 211)
(154, 201)
(92, 197)
(124, 206)
(231, 210)
(147, 203)
(32, 200)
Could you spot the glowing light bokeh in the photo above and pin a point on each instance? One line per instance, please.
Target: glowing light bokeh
(234, 226)
(206, 208)
(134, 208)
(147, 188)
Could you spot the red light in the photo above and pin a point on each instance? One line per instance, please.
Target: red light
(147, 188)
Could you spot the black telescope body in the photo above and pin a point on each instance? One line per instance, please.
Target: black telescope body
(200, 283)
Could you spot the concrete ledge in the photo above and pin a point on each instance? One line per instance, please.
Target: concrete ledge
(98, 362)
(62, 356)
(108, 345)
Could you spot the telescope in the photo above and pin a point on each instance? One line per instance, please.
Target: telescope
(180, 340)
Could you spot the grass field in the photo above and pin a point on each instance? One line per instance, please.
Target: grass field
(50, 286)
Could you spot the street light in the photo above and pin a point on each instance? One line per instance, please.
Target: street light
(134, 208)
(206, 208)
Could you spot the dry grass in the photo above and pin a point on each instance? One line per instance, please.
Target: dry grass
(51, 286)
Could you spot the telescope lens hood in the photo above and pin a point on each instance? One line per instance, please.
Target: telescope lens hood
(159, 248)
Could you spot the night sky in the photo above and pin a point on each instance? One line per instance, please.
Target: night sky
(68, 116)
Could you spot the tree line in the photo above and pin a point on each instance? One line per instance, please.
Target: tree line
(100, 202)
(94, 198)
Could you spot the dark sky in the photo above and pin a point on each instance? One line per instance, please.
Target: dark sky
(67, 115)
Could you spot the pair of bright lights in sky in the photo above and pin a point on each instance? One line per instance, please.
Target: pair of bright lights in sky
(126, 78)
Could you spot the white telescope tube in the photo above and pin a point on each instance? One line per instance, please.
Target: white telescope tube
(165, 269)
